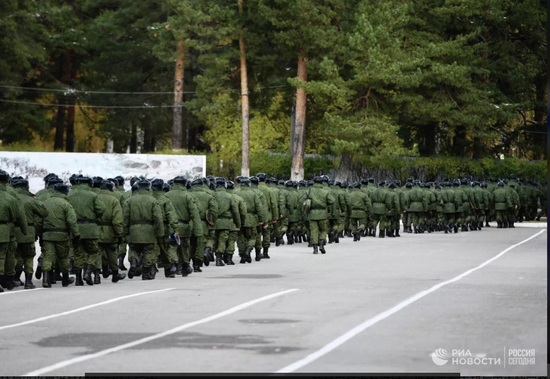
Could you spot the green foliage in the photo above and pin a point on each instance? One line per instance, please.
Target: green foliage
(435, 168)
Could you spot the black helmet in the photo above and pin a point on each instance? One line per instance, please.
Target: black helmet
(289, 183)
(392, 185)
(310, 183)
(85, 180)
(180, 180)
(410, 180)
(325, 178)
(157, 184)
(166, 187)
(272, 180)
(4, 177)
(281, 183)
(365, 181)
(230, 185)
(134, 180)
(344, 184)
(97, 181)
(21, 183)
(261, 176)
(144, 183)
(356, 185)
(513, 176)
(61, 187)
(107, 185)
(55, 180)
(317, 179)
(500, 183)
(73, 178)
(197, 182)
(238, 179)
(456, 183)
(220, 182)
(331, 182)
(382, 183)
(245, 182)
(120, 180)
(47, 177)
(337, 183)
(370, 180)
(408, 185)
(398, 182)
(210, 177)
(254, 179)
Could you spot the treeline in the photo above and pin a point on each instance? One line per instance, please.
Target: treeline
(362, 78)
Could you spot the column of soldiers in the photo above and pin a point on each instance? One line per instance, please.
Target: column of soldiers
(86, 229)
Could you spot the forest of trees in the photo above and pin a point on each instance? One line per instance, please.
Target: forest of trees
(349, 78)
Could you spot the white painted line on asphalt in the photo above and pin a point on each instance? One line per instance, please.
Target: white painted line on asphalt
(372, 321)
(81, 309)
(141, 341)
(23, 291)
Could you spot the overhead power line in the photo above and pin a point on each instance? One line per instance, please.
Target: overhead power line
(72, 90)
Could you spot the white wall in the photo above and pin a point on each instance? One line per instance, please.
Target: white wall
(34, 166)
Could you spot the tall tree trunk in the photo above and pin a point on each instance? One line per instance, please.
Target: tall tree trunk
(70, 139)
(298, 150)
(133, 139)
(245, 165)
(147, 140)
(64, 75)
(292, 125)
(343, 173)
(59, 125)
(177, 126)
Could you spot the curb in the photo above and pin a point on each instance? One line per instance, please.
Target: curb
(538, 225)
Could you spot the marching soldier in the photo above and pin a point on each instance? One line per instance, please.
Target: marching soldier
(320, 201)
(228, 218)
(143, 226)
(56, 227)
(360, 207)
(207, 206)
(110, 234)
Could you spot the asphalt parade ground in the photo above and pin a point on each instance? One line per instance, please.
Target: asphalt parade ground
(474, 303)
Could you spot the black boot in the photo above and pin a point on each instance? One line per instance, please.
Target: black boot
(330, 237)
(348, 233)
(243, 258)
(197, 265)
(106, 271)
(17, 279)
(315, 249)
(97, 278)
(28, 281)
(258, 255)
(133, 268)
(381, 234)
(265, 254)
(38, 273)
(356, 236)
(397, 233)
(121, 266)
(229, 259)
(336, 237)
(79, 281)
(389, 233)
(170, 272)
(219, 259)
(117, 276)
(11, 282)
(179, 269)
(456, 228)
(88, 275)
(65, 282)
(297, 238)
(505, 224)
(53, 277)
(290, 237)
(46, 279)
(58, 276)
(248, 253)
(208, 255)
(322, 244)
(147, 273)
(487, 224)
(499, 224)
(512, 224)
